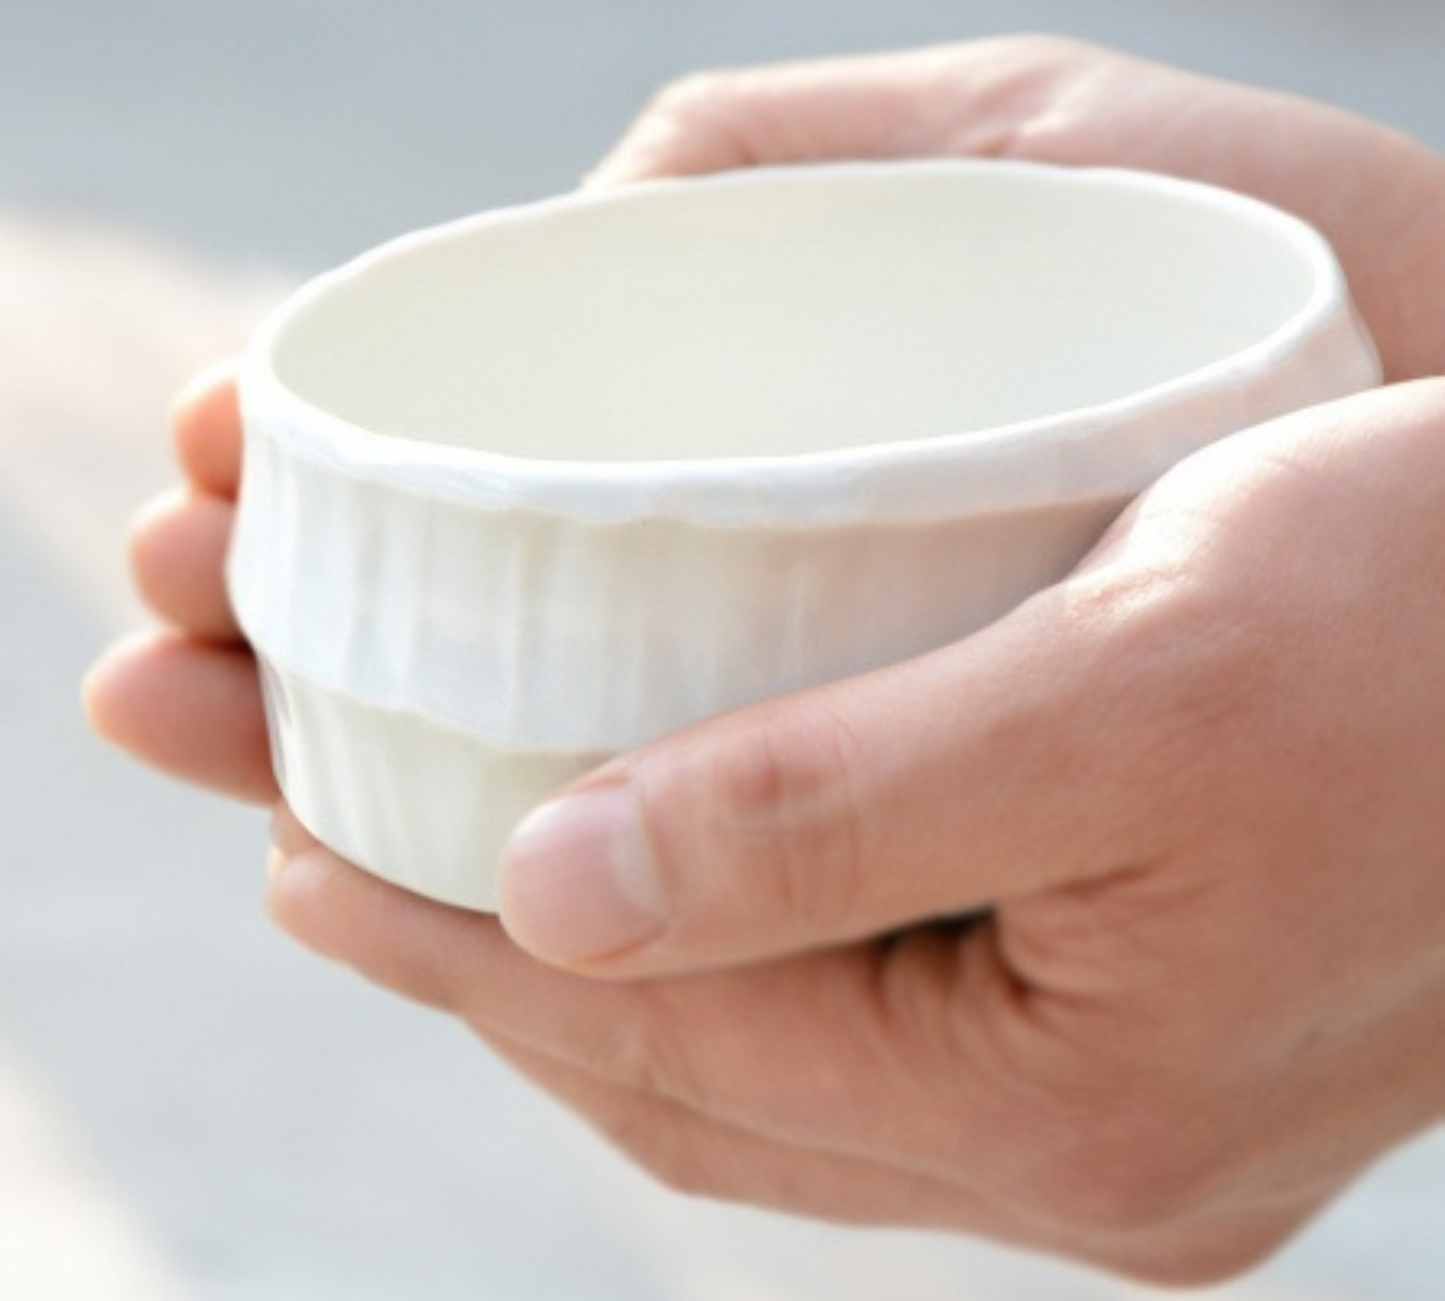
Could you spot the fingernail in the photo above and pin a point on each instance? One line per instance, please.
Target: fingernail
(578, 879)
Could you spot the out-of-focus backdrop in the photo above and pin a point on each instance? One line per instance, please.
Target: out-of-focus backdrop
(189, 1109)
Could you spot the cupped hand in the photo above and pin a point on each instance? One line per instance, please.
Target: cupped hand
(1183, 808)
(1117, 930)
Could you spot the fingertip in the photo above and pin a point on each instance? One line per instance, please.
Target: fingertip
(104, 688)
(177, 549)
(694, 127)
(147, 524)
(191, 709)
(417, 948)
(301, 896)
(619, 168)
(206, 429)
(206, 386)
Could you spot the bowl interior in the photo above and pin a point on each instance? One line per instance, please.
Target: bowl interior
(792, 312)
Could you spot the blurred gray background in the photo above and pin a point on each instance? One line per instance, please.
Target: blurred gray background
(189, 1109)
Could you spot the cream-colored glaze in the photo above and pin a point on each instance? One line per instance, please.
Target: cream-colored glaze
(814, 314)
(534, 489)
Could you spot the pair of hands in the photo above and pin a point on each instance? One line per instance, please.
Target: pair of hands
(1190, 800)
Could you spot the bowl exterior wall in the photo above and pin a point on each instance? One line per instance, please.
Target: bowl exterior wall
(440, 654)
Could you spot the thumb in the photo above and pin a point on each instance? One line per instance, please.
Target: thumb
(952, 782)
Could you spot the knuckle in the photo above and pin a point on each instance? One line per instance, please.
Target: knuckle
(1178, 673)
(784, 797)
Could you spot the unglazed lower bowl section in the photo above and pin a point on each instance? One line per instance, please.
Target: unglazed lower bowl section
(422, 804)
(539, 487)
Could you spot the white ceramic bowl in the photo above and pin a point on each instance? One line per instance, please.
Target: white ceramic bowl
(530, 489)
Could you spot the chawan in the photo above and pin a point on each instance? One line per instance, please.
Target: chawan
(536, 487)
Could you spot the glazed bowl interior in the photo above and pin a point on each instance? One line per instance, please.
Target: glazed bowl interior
(794, 315)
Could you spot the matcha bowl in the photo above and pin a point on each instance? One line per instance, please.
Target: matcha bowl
(533, 488)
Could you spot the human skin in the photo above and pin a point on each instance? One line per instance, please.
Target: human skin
(1185, 806)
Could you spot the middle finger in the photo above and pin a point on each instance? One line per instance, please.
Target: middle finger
(178, 555)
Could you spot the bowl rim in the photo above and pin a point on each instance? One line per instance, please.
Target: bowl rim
(620, 489)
